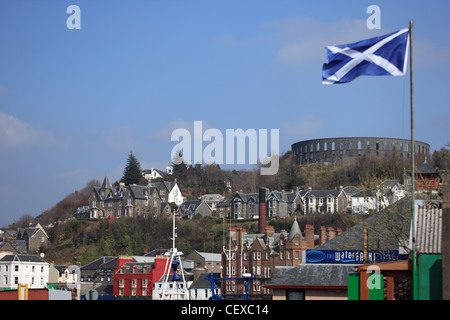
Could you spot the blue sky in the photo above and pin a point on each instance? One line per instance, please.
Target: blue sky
(73, 103)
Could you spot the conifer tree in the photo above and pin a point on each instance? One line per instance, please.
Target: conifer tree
(132, 172)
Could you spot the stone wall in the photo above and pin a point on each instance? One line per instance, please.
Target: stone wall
(344, 151)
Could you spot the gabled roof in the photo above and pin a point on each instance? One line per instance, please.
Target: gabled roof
(246, 197)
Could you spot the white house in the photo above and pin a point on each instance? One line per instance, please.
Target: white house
(175, 194)
(201, 289)
(23, 269)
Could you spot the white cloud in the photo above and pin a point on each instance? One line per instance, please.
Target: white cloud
(304, 40)
(16, 133)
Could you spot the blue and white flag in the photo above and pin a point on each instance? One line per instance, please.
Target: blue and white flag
(379, 56)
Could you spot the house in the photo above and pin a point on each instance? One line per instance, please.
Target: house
(134, 279)
(36, 238)
(7, 248)
(109, 201)
(310, 282)
(366, 200)
(245, 205)
(223, 208)
(426, 178)
(23, 269)
(258, 254)
(212, 200)
(191, 208)
(321, 201)
(153, 174)
(211, 262)
(101, 270)
(168, 191)
(284, 204)
(350, 191)
(201, 288)
(66, 278)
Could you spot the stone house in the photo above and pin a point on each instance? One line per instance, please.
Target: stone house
(283, 204)
(191, 208)
(36, 238)
(245, 205)
(168, 191)
(109, 201)
(223, 208)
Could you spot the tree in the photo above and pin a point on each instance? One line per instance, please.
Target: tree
(132, 173)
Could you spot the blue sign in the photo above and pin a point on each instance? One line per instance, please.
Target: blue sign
(349, 256)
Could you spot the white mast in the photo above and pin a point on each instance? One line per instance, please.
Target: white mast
(178, 290)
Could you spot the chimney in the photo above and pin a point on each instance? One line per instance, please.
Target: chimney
(338, 231)
(262, 210)
(309, 236)
(322, 235)
(331, 233)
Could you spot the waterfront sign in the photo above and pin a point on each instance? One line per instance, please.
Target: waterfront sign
(349, 256)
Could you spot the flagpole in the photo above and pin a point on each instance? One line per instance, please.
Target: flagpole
(412, 150)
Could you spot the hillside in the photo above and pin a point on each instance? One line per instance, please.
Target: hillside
(81, 241)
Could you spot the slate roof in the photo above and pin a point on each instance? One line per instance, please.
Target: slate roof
(94, 265)
(295, 229)
(311, 275)
(384, 230)
(224, 203)
(22, 257)
(202, 283)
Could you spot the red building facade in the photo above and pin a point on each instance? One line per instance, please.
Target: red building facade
(137, 279)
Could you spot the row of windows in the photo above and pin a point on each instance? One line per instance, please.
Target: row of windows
(5, 280)
(231, 286)
(16, 267)
(379, 145)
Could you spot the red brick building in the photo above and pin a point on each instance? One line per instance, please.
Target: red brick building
(258, 254)
(137, 279)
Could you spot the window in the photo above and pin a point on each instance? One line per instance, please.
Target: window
(297, 255)
(267, 271)
(256, 285)
(16, 267)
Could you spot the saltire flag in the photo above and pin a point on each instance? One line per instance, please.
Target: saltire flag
(379, 56)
